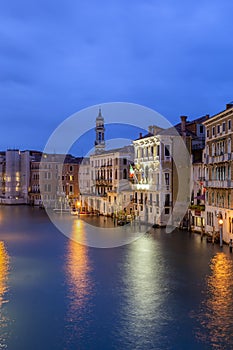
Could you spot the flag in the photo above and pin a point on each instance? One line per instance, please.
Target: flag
(131, 171)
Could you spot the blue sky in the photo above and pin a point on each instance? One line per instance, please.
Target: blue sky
(58, 57)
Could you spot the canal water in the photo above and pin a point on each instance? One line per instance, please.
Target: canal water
(162, 291)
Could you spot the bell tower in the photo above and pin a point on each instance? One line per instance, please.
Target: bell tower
(99, 132)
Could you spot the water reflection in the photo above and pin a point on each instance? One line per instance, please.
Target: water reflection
(4, 270)
(79, 286)
(144, 311)
(216, 313)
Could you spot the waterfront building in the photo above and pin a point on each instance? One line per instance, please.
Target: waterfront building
(218, 161)
(34, 188)
(156, 184)
(84, 183)
(58, 180)
(154, 176)
(110, 188)
(194, 133)
(15, 176)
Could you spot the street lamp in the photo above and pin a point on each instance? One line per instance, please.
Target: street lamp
(78, 204)
(220, 222)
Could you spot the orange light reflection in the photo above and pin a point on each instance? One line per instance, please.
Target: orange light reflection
(78, 282)
(4, 270)
(217, 310)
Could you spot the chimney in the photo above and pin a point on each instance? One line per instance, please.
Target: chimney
(140, 135)
(183, 123)
(229, 105)
(207, 116)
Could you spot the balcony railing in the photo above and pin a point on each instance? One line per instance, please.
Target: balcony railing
(219, 183)
(218, 158)
(103, 182)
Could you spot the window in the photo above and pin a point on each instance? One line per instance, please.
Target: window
(223, 127)
(229, 124)
(166, 211)
(47, 187)
(167, 151)
(146, 172)
(47, 175)
(213, 149)
(208, 133)
(124, 161)
(124, 174)
(212, 198)
(167, 200)
(229, 146)
(218, 129)
(150, 198)
(201, 129)
(71, 168)
(213, 131)
(167, 179)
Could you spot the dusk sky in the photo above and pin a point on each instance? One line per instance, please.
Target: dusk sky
(58, 57)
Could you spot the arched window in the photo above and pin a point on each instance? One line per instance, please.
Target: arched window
(229, 146)
(213, 149)
(146, 173)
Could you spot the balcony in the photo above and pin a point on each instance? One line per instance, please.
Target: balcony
(226, 157)
(219, 183)
(103, 182)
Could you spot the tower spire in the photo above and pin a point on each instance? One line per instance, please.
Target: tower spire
(99, 132)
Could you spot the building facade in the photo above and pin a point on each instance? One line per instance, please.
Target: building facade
(110, 188)
(58, 180)
(218, 161)
(154, 190)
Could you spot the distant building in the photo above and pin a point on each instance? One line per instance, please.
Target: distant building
(15, 176)
(58, 180)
